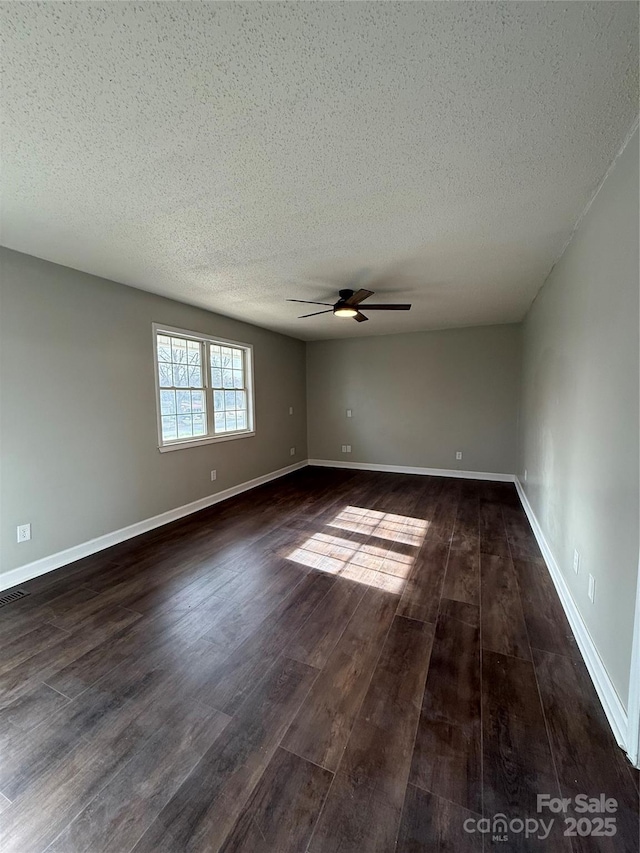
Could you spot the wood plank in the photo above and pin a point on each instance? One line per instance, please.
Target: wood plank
(253, 598)
(207, 805)
(283, 809)
(586, 756)
(469, 613)
(493, 534)
(430, 823)
(446, 758)
(232, 680)
(317, 638)
(462, 577)
(375, 766)
(125, 808)
(31, 759)
(162, 638)
(33, 707)
(15, 622)
(443, 518)
(547, 626)
(321, 729)
(22, 648)
(503, 625)
(58, 775)
(466, 531)
(517, 760)
(4, 803)
(355, 830)
(43, 665)
(421, 596)
(522, 542)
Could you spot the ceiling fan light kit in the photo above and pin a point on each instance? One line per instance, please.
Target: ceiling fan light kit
(344, 311)
(347, 305)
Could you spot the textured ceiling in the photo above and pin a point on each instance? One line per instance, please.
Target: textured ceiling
(233, 155)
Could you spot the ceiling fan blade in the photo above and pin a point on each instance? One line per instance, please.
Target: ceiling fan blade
(307, 302)
(358, 296)
(397, 307)
(360, 318)
(315, 313)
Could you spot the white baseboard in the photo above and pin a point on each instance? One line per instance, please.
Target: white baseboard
(633, 737)
(404, 469)
(85, 549)
(611, 703)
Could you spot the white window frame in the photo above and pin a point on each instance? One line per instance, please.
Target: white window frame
(205, 341)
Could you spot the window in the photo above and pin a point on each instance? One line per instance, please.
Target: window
(204, 388)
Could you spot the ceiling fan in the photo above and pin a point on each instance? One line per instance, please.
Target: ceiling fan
(347, 305)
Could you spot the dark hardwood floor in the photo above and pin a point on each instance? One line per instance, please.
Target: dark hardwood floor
(336, 661)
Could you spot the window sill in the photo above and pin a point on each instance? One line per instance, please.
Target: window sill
(210, 439)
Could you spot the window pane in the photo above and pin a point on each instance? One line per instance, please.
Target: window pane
(231, 420)
(216, 378)
(165, 374)
(195, 376)
(226, 356)
(238, 381)
(241, 400)
(185, 428)
(237, 359)
(219, 422)
(199, 425)
(229, 399)
(180, 376)
(241, 420)
(193, 352)
(227, 379)
(183, 402)
(218, 401)
(168, 402)
(169, 430)
(197, 401)
(164, 348)
(178, 350)
(216, 360)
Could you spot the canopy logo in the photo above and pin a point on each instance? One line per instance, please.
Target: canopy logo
(499, 826)
(599, 822)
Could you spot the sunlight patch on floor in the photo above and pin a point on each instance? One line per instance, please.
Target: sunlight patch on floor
(383, 525)
(379, 565)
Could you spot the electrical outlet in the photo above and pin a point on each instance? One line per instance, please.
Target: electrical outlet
(214, 475)
(292, 451)
(592, 589)
(576, 562)
(348, 448)
(349, 413)
(290, 410)
(458, 454)
(24, 532)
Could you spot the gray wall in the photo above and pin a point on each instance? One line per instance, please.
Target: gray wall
(418, 398)
(78, 435)
(580, 413)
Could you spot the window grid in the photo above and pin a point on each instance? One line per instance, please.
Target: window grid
(228, 382)
(197, 404)
(183, 413)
